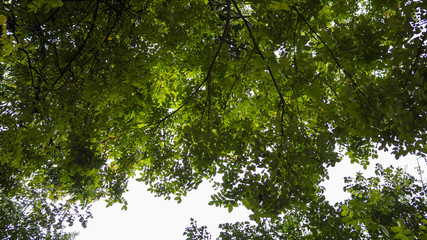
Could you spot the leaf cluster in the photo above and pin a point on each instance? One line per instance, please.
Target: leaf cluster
(390, 205)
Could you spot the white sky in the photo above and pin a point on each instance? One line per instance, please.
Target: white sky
(148, 217)
(154, 218)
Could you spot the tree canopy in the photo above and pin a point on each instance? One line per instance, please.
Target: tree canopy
(388, 206)
(265, 94)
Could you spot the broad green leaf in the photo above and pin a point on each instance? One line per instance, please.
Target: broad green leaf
(3, 19)
(280, 5)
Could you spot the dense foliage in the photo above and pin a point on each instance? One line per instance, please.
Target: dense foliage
(32, 215)
(266, 94)
(391, 205)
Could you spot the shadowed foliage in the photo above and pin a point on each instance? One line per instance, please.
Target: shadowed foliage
(266, 94)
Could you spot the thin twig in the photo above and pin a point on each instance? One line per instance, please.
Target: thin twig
(224, 34)
(333, 90)
(421, 175)
(330, 51)
(295, 45)
(282, 99)
(80, 49)
(237, 77)
(414, 66)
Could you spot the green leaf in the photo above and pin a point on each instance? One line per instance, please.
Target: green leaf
(396, 229)
(181, 91)
(3, 19)
(279, 5)
(400, 236)
(345, 210)
(230, 209)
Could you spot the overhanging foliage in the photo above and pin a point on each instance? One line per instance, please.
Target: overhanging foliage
(261, 92)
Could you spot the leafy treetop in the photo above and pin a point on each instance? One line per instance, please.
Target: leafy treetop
(391, 205)
(259, 92)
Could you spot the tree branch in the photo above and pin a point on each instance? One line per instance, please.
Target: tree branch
(224, 34)
(330, 51)
(282, 99)
(80, 49)
(414, 66)
(295, 45)
(237, 77)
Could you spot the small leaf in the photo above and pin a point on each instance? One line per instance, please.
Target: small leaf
(3, 19)
(170, 18)
(344, 210)
(400, 236)
(396, 229)
(279, 5)
(178, 199)
(230, 209)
